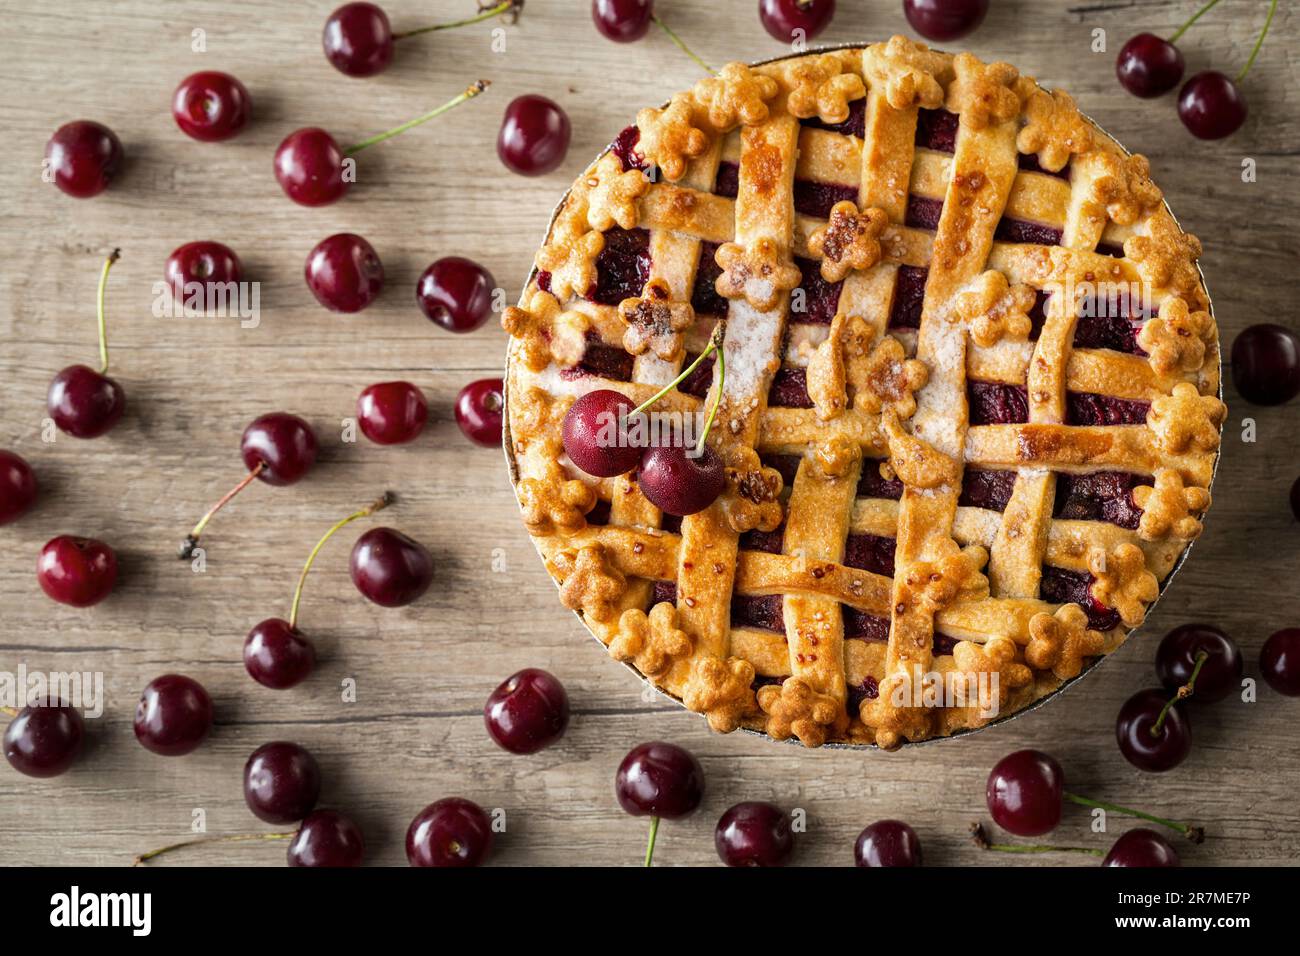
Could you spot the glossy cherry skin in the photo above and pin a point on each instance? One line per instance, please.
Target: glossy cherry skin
(1279, 661)
(309, 167)
(754, 834)
(658, 779)
(174, 715)
(326, 839)
(1142, 847)
(782, 18)
(593, 438)
(344, 273)
(18, 487)
(679, 483)
(283, 444)
(1149, 66)
(358, 39)
(480, 409)
(534, 136)
(85, 403)
(1266, 364)
(1157, 752)
(456, 293)
(623, 21)
(1024, 793)
(392, 413)
(944, 20)
(76, 571)
(449, 832)
(44, 741)
(196, 265)
(83, 157)
(390, 568)
(281, 782)
(527, 712)
(277, 655)
(887, 843)
(211, 106)
(1219, 676)
(1211, 106)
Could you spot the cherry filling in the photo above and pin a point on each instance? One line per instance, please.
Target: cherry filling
(789, 389)
(1086, 408)
(1018, 230)
(867, 690)
(624, 147)
(923, 213)
(602, 361)
(764, 680)
(1029, 163)
(817, 299)
(599, 515)
(787, 466)
(1038, 314)
(704, 296)
(1110, 249)
(623, 267)
(995, 403)
(663, 591)
(1074, 587)
(671, 523)
(765, 612)
(727, 182)
(909, 295)
(1107, 322)
(769, 542)
(870, 552)
(816, 199)
(872, 485)
(989, 489)
(859, 625)
(698, 382)
(1103, 496)
(855, 125)
(937, 129)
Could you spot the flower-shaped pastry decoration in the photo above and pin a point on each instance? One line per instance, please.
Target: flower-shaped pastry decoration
(849, 240)
(751, 499)
(612, 194)
(1170, 507)
(1177, 339)
(655, 322)
(546, 333)
(1166, 259)
(914, 461)
(650, 642)
(795, 709)
(1186, 420)
(931, 586)
(909, 74)
(1124, 188)
(1122, 581)
(994, 309)
(997, 656)
(736, 95)
(669, 136)
(886, 379)
(983, 93)
(552, 502)
(1054, 129)
(1059, 642)
(721, 691)
(895, 722)
(820, 87)
(570, 255)
(835, 457)
(590, 582)
(759, 273)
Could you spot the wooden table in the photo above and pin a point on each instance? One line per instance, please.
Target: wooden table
(422, 673)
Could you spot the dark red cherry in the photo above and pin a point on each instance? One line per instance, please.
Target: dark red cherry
(1141, 743)
(326, 838)
(754, 834)
(84, 403)
(456, 293)
(44, 741)
(309, 167)
(83, 157)
(282, 444)
(480, 407)
(1211, 106)
(1279, 661)
(594, 437)
(344, 273)
(76, 571)
(392, 413)
(1024, 792)
(944, 20)
(622, 21)
(534, 135)
(358, 39)
(390, 568)
(1218, 677)
(277, 655)
(18, 487)
(174, 715)
(1149, 66)
(887, 843)
(197, 266)
(528, 712)
(281, 782)
(1142, 847)
(793, 20)
(679, 482)
(211, 106)
(658, 779)
(449, 832)
(1266, 364)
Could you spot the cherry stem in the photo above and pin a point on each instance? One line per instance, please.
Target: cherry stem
(99, 310)
(379, 504)
(503, 7)
(1181, 694)
(1195, 16)
(715, 343)
(192, 539)
(232, 838)
(473, 91)
(9, 711)
(981, 840)
(680, 45)
(721, 366)
(1195, 834)
(1258, 43)
(650, 846)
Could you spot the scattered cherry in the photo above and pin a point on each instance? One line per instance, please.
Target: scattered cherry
(43, 741)
(449, 832)
(1220, 672)
(76, 571)
(793, 20)
(344, 273)
(1149, 66)
(754, 834)
(594, 437)
(194, 270)
(389, 568)
(660, 781)
(83, 402)
(358, 39)
(945, 20)
(1266, 364)
(211, 106)
(1142, 848)
(392, 413)
(456, 293)
(623, 21)
(281, 782)
(887, 843)
(679, 481)
(83, 157)
(1153, 732)
(18, 487)
(534, 136)
(326, 839)
(527, 712)
(1211, 106)
(1279, 661)
(174, 715)
(480, 407)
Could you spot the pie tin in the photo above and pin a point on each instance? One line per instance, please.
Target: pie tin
(512, 467)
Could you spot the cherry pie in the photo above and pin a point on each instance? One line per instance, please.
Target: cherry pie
(969, 419)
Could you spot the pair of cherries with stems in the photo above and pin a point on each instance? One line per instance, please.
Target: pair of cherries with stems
(674, 478)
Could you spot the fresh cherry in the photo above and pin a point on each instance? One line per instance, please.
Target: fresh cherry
(1176, 661)
(211, 106)
(43, 741)
(660, 781)
(326, 839)
(456, 293)
(449, 832)
(1266, 364)
(534, 136)
(195, 270)
(344, 273)
(1211, 106)
(528, 712)
(795, 20)
(754, 834)
(622, 21)
(480, 407)
(1142, 848)
(18, 487)
(1153, 733)
(83, 402)
(174, 715)
(594, 437)
(944, 20)
(1279, 661)
(887, 843)
(389, 568)
(679, 481)
(358, 39)
(76, 571)
(281, 782)
(83, 157)
(392, 413)
(1149, 66)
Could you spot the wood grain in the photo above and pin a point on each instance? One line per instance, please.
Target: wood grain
(415, 731)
